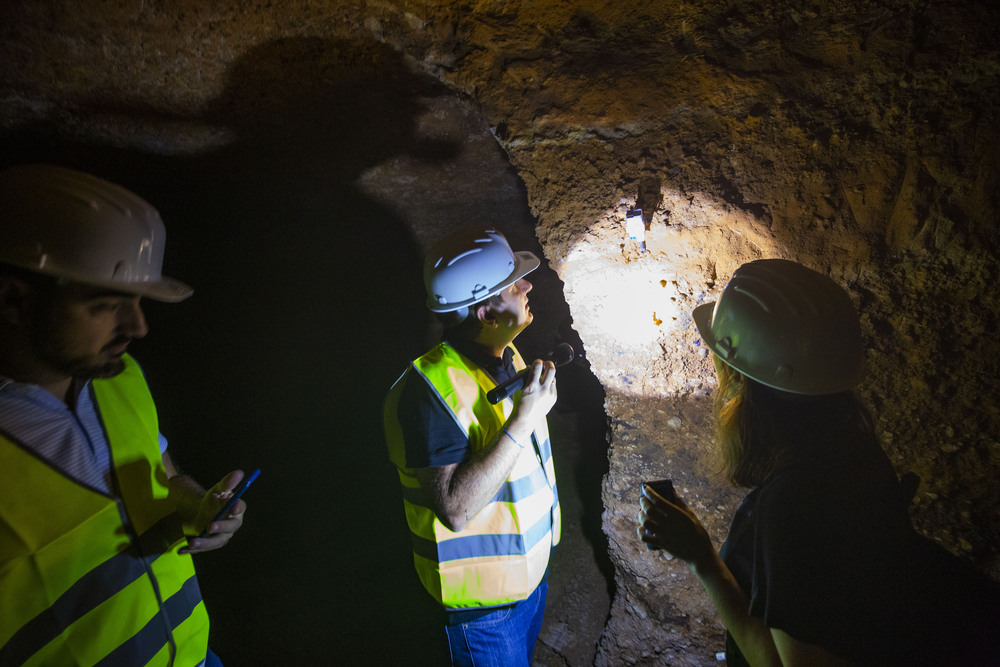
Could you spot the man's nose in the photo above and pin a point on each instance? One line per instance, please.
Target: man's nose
(524, 285)
(133, 320)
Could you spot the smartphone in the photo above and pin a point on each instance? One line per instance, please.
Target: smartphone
(665, 488)
(237, 492)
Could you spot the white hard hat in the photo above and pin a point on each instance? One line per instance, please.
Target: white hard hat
(471, 265)
(77, 227)
(786, 326)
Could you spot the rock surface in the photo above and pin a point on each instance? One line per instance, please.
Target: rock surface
(854, 136)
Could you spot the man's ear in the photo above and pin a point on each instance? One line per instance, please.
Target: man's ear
(487, 316)
(13, 295)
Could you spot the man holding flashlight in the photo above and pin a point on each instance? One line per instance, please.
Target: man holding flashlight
(478, 481)
(95, 519)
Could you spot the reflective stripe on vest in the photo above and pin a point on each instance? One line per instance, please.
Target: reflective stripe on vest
(501, 555)
(86, 578)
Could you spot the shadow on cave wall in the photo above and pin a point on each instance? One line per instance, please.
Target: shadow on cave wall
(302, 318)
(304, 313)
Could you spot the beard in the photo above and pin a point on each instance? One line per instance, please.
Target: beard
(84, 367)
(107, 369)
(53, 343)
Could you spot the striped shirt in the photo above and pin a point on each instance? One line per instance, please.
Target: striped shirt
(70, 439)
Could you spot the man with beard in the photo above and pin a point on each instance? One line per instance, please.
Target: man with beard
(478, 481)
(96, 523)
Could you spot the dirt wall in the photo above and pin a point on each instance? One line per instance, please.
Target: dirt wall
(855, 137)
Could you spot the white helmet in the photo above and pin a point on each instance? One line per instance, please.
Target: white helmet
(471, 265)
(787, 327)
(77, 227)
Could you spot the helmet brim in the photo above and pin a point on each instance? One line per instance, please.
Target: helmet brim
(167, 290)
(702, 316)
(525, 262)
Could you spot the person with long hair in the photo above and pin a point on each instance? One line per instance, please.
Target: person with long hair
(821, 565)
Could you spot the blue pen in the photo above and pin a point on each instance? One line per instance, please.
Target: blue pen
(240, 490)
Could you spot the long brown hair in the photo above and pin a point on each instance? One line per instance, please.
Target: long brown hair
(733, 406)
(758, 428)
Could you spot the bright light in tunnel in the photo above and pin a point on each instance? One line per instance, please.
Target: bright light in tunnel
(627, 308)
(635, 303)
(632, 307)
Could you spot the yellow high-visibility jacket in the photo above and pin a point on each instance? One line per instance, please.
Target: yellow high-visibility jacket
(88, 578)
(501, 555)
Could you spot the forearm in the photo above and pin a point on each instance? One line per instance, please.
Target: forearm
(460, 491)
(750, 634)
(474, 483)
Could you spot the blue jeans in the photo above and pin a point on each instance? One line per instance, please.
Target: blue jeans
(503, 638)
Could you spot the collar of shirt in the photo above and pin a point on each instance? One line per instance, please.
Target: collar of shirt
(39, 395)
(70, 439)
(499, 368)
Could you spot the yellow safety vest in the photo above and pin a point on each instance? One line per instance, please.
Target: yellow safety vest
(501, 555)
(88, 578)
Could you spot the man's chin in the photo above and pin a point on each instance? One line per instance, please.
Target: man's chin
(108, 369)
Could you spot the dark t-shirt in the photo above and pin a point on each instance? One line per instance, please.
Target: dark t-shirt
(431, 437)
(813, 548)
(824, 551)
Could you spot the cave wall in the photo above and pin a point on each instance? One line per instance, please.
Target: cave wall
(855, 137)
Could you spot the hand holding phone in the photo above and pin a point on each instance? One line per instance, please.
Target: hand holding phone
(665, 489)
(237, 493)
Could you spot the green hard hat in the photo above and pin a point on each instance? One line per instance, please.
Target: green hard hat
(786, 326)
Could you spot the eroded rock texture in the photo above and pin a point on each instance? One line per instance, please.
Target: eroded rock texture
(856, 137)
